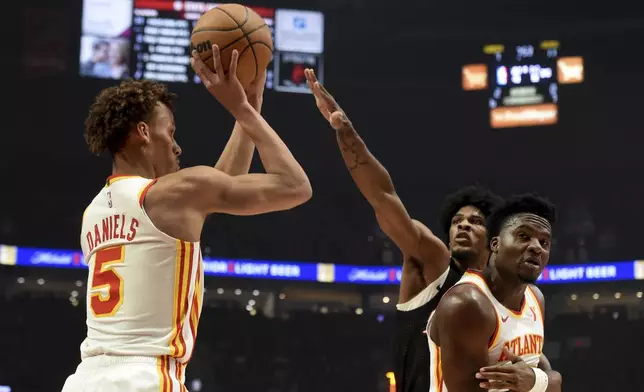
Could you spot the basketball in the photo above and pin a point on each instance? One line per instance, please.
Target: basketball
(234, 26)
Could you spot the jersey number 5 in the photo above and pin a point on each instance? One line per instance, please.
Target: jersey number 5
(104, 277)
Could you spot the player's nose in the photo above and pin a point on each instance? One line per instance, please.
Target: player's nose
(535, 247)
(464, 225)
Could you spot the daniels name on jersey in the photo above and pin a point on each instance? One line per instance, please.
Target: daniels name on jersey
(145, 288)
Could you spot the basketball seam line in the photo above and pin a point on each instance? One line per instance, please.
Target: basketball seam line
(245, 35)
(213, 29)
(246, 16)
(230, 16)
(237, 40)
(251, 46)
(245, 49)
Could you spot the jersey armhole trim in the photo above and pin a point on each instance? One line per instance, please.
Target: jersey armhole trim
(144, 192)
(141, 200)
(426, 295)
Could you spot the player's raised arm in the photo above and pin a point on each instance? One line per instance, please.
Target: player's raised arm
(238, 153)
(465, 322)
(413, 238)
(207, 190)
(285, 184)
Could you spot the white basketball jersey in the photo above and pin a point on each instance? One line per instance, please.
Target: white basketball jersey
(520, 332)
(145, 288)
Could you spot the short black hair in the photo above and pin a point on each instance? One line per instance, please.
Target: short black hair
(528, 203)
(481, 198)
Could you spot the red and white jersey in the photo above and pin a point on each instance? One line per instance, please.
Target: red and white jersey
(520, 332)
(145, 288)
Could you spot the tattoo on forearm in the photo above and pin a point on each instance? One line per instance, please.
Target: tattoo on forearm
(351, 149)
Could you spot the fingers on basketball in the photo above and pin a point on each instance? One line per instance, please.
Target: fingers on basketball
(232, 68)
(200, 69)
(216, 55)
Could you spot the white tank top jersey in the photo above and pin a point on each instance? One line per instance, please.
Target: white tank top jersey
(520, 332)
(145, 288)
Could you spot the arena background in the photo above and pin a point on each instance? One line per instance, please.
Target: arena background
(396, 69)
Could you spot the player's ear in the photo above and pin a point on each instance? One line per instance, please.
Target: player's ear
(143, 132)
(494, 244)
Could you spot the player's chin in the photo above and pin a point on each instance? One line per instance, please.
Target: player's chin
(460, 251)
(529, 278)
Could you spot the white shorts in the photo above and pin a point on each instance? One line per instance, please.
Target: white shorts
(105, 373)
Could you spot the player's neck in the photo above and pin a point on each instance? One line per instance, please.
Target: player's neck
(471, 261)
(132, 165)
(508, 291)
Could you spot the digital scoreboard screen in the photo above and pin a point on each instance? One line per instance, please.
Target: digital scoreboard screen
(524, 86)
(523, 82)
(150, 39)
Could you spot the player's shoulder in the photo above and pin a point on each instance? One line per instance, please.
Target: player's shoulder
(193, 174)
(464, 314)
(466, 303)
(195, 188)
(187, 180)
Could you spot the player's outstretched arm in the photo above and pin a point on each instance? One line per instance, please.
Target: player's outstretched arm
(238, 153)
(465, 321)
(413, 238)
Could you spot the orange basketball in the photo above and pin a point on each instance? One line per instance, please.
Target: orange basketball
(234, 26)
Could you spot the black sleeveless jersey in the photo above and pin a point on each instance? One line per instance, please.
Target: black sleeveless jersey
(411, 349)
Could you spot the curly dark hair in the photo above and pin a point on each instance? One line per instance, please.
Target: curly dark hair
(481, 198)
(117, 109)
(526, 203)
